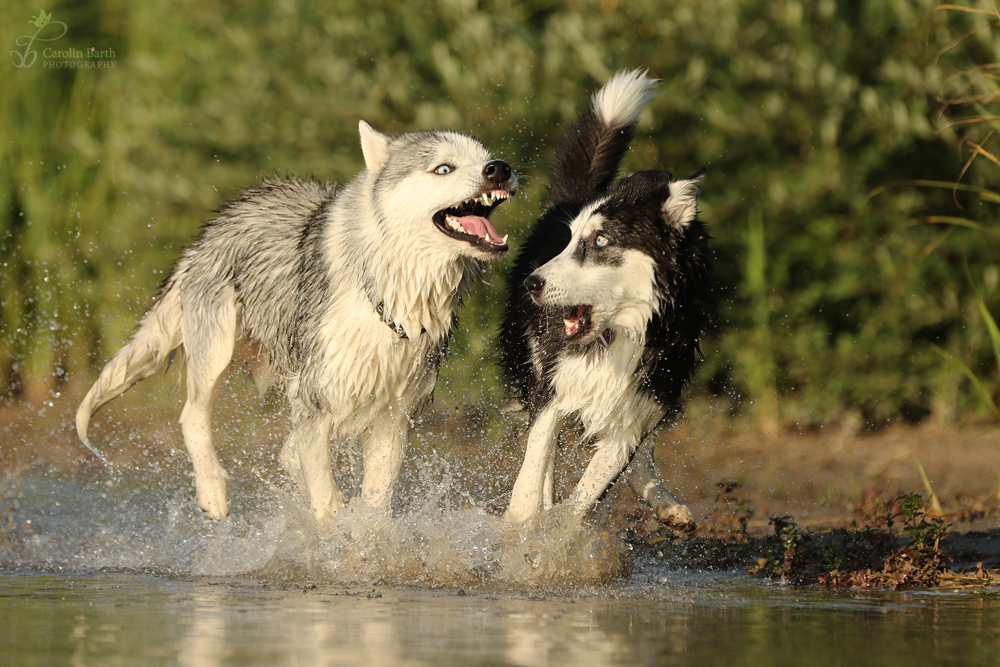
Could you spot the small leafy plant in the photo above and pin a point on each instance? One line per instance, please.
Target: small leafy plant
(868, 555)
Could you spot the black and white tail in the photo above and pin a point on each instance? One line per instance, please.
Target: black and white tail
(589, 156)
(159, 334)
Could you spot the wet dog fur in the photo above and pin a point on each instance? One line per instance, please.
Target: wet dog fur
(607, 301)
(345, 296)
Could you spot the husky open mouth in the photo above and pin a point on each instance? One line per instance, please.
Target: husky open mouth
(577, 322)
(469, 221)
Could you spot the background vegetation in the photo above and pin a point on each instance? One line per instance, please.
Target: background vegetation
(831, 301)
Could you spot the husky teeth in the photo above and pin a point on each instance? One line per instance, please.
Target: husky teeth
(490, 198)
(453, 223)
(505, 238)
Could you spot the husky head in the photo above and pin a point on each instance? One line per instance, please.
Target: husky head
(631, 250)
(438, 188)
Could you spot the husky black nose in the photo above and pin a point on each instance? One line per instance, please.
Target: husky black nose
(496, 171)
(534, 284)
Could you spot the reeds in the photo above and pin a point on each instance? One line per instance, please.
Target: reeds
(972, 104)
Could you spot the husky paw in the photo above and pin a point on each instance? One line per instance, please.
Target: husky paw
(327, 515)
(213, 494)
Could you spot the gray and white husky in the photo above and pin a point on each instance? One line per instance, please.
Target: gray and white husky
(346, 296)
(607, 300)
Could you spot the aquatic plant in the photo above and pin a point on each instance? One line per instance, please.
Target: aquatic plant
(869, 554)
(977, 577)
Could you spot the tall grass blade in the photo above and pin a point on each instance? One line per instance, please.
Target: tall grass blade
(971, 10)
(991, 327)
(984, 194)
(935, 502)
(952, 220)
(967, 372)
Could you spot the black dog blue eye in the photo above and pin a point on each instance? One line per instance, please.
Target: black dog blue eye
(601, 240)
(443, 169)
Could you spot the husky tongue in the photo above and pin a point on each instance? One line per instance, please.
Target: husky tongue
(481, 227)
(577, 320)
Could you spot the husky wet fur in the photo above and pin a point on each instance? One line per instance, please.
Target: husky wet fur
(607, 300)
(346, 296)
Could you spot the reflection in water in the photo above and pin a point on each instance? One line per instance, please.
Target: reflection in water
(204, 643)
(694, 619)
(398, 628)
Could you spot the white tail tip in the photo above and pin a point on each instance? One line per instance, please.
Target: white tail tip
(623, 97)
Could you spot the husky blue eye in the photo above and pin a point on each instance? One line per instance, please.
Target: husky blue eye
(601, 240)
(443, 169)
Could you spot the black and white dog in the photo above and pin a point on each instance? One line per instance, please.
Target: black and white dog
(607, 300)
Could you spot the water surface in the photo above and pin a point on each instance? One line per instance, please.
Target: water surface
(691, 618)
(112, 570)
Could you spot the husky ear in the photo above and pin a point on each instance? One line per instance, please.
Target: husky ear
(374, 146)
(681, 207)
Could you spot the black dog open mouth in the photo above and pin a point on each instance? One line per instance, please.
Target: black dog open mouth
(577, 322)
(469, 221)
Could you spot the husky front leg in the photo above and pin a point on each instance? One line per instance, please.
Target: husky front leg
(642, 479)
(534, 481)
(383, 445)
(310, 441)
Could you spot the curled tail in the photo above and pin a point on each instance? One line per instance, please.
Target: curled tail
(588, 158)
(158, 335)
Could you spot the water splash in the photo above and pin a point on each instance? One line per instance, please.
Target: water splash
(114, 524)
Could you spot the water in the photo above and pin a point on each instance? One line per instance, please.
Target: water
(114, 569)
(693, 618)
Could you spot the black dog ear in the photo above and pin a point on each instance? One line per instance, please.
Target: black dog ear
(681, 206)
